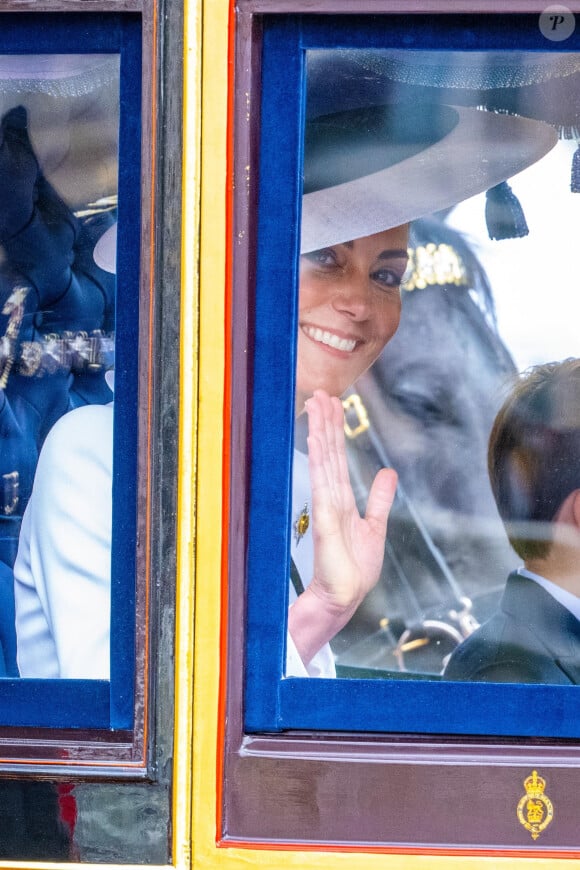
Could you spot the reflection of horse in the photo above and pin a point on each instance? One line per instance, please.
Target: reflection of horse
(431, 398)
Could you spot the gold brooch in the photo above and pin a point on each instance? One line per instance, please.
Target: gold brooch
(301, 524)
(535, 810)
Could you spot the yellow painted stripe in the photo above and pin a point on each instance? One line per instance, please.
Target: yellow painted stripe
(188, 422)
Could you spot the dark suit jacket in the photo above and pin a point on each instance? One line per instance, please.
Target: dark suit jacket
(531, 639)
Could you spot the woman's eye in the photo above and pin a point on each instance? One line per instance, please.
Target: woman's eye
(387, 277)
(324, 257)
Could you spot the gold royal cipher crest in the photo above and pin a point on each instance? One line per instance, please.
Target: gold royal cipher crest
(535, 810)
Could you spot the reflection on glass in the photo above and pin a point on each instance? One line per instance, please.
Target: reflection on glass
(59, 126)
(396, 140)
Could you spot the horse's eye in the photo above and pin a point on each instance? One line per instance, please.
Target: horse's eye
(420, 406)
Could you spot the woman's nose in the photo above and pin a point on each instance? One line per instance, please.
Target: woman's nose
(353, 297)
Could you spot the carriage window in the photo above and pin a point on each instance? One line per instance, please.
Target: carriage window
(437, 195)
(69, 278)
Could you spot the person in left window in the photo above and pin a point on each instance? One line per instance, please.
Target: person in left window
(367, 173)
(48, 259)
(62, 573)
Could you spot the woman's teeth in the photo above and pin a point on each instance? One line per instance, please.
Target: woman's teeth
(346, 344)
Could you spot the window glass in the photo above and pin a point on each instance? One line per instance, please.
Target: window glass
(59, 170)
(449, 356)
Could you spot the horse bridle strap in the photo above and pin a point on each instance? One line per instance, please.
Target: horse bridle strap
(363, 442)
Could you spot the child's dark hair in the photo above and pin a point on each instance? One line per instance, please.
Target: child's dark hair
(534, 452)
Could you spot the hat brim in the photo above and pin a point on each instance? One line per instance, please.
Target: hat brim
(105, 251)
(59, 75)
(483, 149)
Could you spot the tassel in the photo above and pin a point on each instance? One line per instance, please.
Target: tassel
(503, 213)
(575, 175)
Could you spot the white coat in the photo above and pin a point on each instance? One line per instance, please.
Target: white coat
(62, 572)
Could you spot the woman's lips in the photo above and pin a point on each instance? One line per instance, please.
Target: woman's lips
(330, 339)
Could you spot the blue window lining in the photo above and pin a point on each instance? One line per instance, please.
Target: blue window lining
(273, 703)
(95, 703)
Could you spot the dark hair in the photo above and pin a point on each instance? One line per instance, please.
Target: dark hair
(534, 452)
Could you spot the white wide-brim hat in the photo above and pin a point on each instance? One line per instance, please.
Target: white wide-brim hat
(365, 181)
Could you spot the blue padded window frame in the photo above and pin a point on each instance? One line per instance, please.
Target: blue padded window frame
(273, 703)
(99, 704)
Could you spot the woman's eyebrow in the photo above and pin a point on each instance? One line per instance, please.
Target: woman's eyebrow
(399, 253)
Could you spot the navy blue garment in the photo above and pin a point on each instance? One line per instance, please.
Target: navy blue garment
(8, 666)
(18, 457)
(531, 639)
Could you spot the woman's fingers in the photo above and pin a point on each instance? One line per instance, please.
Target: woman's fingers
(380, 500)
(321, 464)
(341, 467)
(326, 425)
(331, 487)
